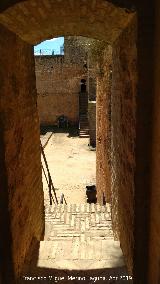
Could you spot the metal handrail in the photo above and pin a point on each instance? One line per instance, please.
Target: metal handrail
(49, 179)
(50, 193)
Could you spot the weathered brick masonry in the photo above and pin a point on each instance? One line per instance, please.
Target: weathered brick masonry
(116, 136)
(58, 81)
(123, 126)
(103, 113)
(58, 87)
(92, 122)
(20, 132)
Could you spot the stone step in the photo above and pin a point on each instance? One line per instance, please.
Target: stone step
(70, 235)
(84, 129)
(77, 237)
(83, 207)
(83, 136)
(84, 123)
(81, 248)
(84, 133)
(68, 221)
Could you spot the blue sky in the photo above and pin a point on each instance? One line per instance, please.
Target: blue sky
(49, 45)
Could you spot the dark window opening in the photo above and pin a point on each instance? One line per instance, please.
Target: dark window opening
(83, 85)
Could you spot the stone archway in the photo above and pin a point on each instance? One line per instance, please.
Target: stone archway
(33, 22)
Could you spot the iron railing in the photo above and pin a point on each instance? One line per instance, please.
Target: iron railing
(50, 182)
(48, 179)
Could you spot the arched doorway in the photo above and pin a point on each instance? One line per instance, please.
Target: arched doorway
(101, 20)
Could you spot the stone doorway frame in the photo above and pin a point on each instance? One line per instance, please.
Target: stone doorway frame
(142, 131)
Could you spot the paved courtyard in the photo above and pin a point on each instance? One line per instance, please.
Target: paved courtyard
(72, 165)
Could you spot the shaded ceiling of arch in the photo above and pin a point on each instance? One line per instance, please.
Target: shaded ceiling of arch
(35, 21)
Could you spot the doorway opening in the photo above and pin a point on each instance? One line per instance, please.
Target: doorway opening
(68, 117)
(80, 227)
(115, 151)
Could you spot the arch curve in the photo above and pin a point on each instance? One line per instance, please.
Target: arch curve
(34, 20)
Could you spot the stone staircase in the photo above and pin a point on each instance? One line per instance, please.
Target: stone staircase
(78, 243)
(83, 115)
(83, 126)
(72, 220)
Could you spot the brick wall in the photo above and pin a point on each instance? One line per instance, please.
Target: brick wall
(96, 19)
(92, 122)
(21, 155)
(103, 144)
(116, 110)
(58, 87)
(123, 133)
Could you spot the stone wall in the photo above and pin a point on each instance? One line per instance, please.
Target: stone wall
(123, 134)
(144, 125)
(75, 50)
(95, 19)
(78, 50)
(116, 127)
(92, 122)
(22, 181)
(103, 144)
(58, 87)
(154, 225)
